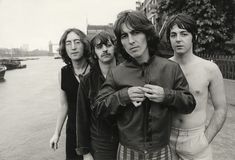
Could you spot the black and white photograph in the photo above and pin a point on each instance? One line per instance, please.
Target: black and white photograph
(117, 79)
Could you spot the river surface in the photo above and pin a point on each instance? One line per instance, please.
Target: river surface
(29, 100)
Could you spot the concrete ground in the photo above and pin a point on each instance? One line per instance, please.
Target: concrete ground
(28, 112)
(223, 145)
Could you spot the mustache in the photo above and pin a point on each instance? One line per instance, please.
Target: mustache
(105, 54)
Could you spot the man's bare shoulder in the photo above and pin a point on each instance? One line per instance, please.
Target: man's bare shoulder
(198, 65)
(208, 65)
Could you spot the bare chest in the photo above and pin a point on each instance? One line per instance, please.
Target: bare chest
(198, 80)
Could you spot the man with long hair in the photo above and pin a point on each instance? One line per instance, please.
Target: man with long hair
(142, 91)
(74, 49)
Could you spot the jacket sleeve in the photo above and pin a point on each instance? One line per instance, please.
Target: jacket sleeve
(110, 98)
(83, 120)
(179, 97)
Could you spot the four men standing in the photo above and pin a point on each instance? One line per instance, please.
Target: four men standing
(149, 98)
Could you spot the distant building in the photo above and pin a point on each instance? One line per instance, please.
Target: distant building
(94, 29)
(24, 47)
(51, 47)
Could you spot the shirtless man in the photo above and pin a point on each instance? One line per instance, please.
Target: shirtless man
(191, 136)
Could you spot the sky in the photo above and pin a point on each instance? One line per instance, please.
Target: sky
(34, 23)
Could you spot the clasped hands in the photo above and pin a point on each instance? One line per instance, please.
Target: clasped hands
(138, 94)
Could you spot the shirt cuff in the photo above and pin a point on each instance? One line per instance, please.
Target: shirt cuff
(168, 95)
(124, 97)
(82, 150)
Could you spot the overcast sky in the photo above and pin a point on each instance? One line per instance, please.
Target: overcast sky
(36, 22)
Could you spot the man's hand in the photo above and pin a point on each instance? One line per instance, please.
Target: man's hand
(136, 95)
(54, 142)
(153, 92)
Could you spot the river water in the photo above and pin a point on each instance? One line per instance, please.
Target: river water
(29, 100)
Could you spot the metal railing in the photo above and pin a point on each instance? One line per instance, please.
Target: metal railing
(226, 63)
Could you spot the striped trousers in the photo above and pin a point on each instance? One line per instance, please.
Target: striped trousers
(125, 153)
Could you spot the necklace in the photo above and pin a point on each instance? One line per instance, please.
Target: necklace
(82, 74)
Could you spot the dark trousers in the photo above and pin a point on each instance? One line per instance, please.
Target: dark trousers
(103, 150)
(70, 148)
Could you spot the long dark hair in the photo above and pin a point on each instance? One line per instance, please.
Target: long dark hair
(84, 40)
(138, 21)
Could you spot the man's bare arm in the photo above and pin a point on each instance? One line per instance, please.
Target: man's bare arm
(216, 89)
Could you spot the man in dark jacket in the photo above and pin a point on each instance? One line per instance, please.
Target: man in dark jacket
(143, 91)
(96, 137)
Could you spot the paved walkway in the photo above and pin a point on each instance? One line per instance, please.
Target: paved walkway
(28, 111)
(224, 143)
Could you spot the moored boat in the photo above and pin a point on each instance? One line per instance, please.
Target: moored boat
(22, 66)
(12, 63)
(2, 71)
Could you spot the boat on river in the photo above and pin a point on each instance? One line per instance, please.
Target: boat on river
(2, 71)
(12, 63)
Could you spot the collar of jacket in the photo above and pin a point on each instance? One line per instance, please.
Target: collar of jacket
(134, 63)
(96, 71)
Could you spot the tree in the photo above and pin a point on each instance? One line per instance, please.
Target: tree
(214, 23)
